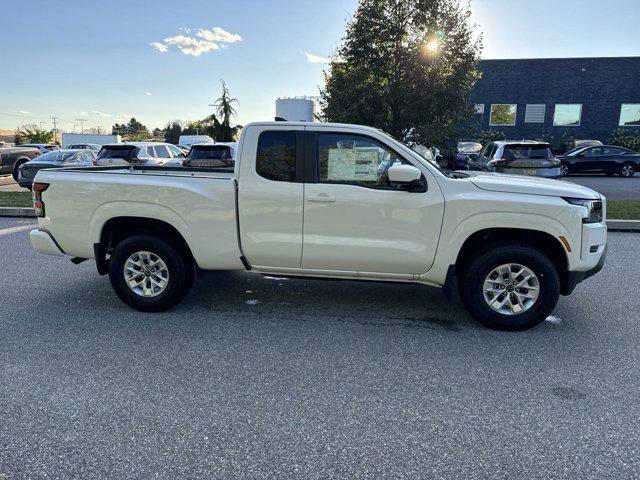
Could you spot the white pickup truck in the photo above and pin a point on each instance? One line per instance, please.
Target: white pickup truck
(333, 201)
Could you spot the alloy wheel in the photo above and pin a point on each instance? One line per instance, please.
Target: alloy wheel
(146, 274)
(627, 171)
(511, 289)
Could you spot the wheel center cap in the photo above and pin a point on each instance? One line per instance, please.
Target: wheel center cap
(510, 288)
(147, 273)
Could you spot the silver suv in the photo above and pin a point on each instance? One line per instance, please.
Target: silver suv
(128, 153)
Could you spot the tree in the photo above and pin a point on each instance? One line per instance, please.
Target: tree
(219, 126)
(32, 134)
(407, 67)
(172, 132)
(133, 131)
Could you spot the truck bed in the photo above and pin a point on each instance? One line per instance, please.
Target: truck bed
(199, 203)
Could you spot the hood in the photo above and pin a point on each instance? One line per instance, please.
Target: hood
(500, 182)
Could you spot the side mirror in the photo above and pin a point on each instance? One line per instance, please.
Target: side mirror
(406, 176)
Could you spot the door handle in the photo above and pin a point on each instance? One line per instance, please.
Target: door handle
(322, 198)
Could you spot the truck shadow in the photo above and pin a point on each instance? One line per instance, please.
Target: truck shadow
(365, 303)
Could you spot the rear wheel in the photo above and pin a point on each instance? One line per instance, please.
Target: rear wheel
(510, 287)
(149, 274)
(16, 168)
(627, 170)
(564, 169)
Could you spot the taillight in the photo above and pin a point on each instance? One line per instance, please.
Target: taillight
(36, 193)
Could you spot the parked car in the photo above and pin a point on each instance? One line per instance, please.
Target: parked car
(128, 153)
(331, 201)
(12, 157)
(207, 155)
(54, 159)
(572, 144)
(517, 158)
(85, 146)
(466, 151)
(42, 147)
(190, 140)
(607, 159)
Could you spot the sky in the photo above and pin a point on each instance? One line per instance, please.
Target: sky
(163, 60)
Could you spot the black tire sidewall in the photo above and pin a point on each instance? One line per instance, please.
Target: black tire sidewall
(181, 273)
(471, 289)
(16, 166)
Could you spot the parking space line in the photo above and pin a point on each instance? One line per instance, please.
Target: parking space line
(22, 228)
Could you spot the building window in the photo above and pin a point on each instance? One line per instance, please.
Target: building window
(503, 114)
(567, 115)
(535, 113)
(630, 115)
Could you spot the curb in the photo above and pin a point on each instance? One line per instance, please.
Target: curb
(17, 212)
(612, 225)
(623, 225)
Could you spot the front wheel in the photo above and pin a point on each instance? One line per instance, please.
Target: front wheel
(627, 170)
(510, 287)
(149, 274)
(564, 169)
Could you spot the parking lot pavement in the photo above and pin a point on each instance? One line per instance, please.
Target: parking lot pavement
(614, 188)
(255, 377)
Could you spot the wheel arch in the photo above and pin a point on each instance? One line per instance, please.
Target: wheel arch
(488, 238)
(117, 229)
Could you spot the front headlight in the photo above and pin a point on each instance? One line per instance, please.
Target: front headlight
(594, 209)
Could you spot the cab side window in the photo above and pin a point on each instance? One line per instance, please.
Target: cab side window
(276, 156)
(355, 160)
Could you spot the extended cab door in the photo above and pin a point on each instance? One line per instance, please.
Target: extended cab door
(270, 197)
(355, 220)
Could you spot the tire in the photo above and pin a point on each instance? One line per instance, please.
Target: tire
(627, 170)
(177, 269)
(565, 170)
(480, 269)
(16, 166)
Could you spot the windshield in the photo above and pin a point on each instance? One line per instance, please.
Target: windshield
(519, 152)
(214, 152)
(55, 156)
(125, 152)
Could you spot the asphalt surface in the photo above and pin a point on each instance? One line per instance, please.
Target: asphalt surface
(614, 188)
(256, 377)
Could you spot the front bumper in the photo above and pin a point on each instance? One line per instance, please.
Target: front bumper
(574, 278)
(44, 243)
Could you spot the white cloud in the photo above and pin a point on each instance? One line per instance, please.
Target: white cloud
(312, 58)
(217, 34)
(190, 45)
(161, 47)
(148, 93)
(98, 113)
(125, 116)
(201, 41)
(24, 112)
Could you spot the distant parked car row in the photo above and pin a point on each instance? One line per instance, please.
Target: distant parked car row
(536, 158)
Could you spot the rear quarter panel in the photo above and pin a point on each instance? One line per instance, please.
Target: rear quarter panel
(201, 208)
